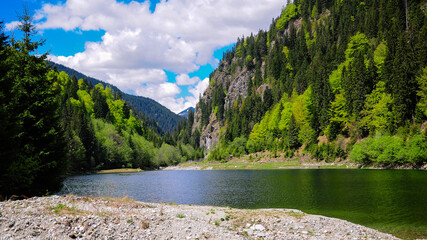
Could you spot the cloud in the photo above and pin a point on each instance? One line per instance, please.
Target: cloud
(199, 88)
(184, 79)
(12, 25)
(180, 36)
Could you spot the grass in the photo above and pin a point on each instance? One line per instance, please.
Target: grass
(180, 215)
(124, 199)
(265, 162)
(241, 165)
(119, 170)
(294, 214)
(62, 209)
(103, 214)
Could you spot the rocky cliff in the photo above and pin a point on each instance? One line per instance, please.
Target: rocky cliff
(235, 85)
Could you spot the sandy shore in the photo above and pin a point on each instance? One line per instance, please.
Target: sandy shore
(65, 217)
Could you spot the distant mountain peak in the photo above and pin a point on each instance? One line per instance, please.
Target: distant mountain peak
(185, 112)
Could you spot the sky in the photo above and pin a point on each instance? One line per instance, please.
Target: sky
(164, 50)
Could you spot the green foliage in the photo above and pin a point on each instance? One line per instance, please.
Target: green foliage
(292, 140)
(380, 55)
(167, 155)
(338, 111)
(344, 69)
(390, 150)
(377, 115)
(115, 150)
(288, 13)
(143, 151)
(52, 124)
(249, 62)
(155, 116)
(326, 152)
(85, 97)
(358, 46)
(32, 147)
(359, 43)
(422, 92)
(224, 150)
(285, 117)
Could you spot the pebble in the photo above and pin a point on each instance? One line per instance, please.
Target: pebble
(99, 218)
(258, 227)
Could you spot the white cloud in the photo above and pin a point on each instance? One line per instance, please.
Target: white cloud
(179, 36)
(199, 88)
(184, 79)
(179, 104)
(12, 25)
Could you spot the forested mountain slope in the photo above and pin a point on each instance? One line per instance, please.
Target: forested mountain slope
(52, 124)
(330, 79)
(166, 119)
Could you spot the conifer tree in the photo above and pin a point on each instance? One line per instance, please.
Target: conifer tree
(292, 134)
(39, 164)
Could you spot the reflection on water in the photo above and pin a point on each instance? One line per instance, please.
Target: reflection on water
(393, 201)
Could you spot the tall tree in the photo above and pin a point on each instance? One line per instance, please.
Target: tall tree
(38, 165)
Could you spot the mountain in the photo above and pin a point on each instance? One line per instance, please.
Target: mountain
(185, 112)
(166, 119)
(328, 80)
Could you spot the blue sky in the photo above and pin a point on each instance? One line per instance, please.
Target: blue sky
(164, 50)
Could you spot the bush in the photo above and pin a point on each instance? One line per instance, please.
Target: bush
(327, 152)
(415, 150)
(167, 155)
(390, 150)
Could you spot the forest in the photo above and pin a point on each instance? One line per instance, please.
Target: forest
(52, 124)
(329, 80)
(157, 116)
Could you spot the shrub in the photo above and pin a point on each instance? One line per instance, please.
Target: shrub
(390, 150)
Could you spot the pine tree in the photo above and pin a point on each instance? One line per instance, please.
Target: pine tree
(39, 164)
(402, 82)
(292, 134)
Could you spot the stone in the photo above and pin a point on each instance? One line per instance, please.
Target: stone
(258, 227)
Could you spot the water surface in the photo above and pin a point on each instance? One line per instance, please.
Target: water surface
(393, 201)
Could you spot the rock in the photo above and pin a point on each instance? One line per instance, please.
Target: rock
(11, 224)
(250, 231)
(97, 218)
(258, 227)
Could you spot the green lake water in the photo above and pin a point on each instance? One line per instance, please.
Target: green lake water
(393, 201)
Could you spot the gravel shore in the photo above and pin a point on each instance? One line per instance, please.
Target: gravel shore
(65, 217)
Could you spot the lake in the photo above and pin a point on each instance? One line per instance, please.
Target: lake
(393, 201)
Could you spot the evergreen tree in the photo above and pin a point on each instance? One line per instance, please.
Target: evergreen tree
(402, 82)
(292, 134)
(38, 165)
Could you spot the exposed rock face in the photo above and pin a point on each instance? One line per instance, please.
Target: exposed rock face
(210, 135)
(233, 77)
(236, 85)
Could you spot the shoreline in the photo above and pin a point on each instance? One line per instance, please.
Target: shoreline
(68, 216)
(277, 164)
(119, 170)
